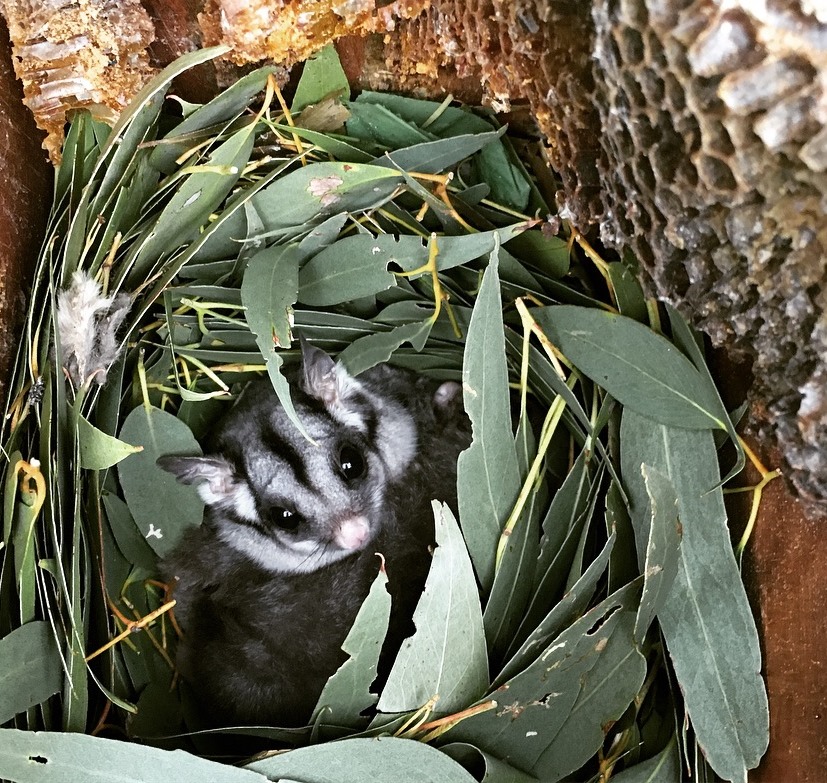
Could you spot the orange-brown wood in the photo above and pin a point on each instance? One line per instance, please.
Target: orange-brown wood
(25, 198)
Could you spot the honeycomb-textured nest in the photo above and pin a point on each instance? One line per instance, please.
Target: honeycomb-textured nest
(73, 54)
(694, 133)
(715, 150)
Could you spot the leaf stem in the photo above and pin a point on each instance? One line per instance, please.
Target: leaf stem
(132, 627)
(555, 411)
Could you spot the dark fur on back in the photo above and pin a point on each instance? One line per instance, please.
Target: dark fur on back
(259, 646)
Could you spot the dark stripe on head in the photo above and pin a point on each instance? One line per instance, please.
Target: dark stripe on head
(283, 448)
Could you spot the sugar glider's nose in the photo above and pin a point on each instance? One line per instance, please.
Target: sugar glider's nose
(352, 532)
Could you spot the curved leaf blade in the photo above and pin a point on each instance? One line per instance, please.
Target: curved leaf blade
(30, 670)
(98, 450)
(162, 508)
(381, 760)
(638, 367)
(488, 476)
(706, 619)
(446, 656)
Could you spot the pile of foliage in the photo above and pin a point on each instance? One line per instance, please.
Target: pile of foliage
(583, 619)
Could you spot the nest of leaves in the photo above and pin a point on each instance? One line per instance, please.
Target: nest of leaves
(590, 622)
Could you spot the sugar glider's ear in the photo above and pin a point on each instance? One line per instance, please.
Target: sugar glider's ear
(323, 378)
(215, 477)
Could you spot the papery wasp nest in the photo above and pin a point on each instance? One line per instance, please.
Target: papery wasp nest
(77, 54)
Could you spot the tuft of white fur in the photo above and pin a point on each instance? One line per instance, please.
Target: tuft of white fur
(87, 323)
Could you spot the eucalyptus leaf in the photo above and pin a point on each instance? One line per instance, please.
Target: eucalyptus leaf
(132, 545)
(706, 620)
(630, 298)
(268, 293)
(571, 606)
(488, 478)
(446, 656)
(98, 450)
(347, 693)
(511, 590)
(380, 760)
(433, 157)
(495, 771)
(194, 201)
(321, 77)
(641, 369)
(665, 767)
(372, 122)
(309, 195)
(691, 343)
(30, 670)
(31, 757)
(372, 349)
(662, 550)
(162, 508)
(551, 698)
(550, 254)
(224, 107)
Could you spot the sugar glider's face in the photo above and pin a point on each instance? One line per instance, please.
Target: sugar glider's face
(292, 505)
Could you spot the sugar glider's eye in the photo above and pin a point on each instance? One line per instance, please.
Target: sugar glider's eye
(285, 519)
(351, 463)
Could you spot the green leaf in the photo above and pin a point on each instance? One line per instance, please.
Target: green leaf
(132, 545)
(31, 757)
(511, 590)
(665, 767)
(356, 266)
(662, 550)
(706, 620)
(98, 450)
(379, 760)
(10, 485)
(571, 606)
(227, 105)
(629, 295)
(373, 349)
(691, 344)
(433, 157)
(23, 545)
(551, 255)
(309, 195)
(332, 277)
(509, 186)
(268, 293)
(446, 656)
(495, 771)
(347, 693)
(30, 670)
(553, 712)
(641, 369)
(338, 149)
(607, 689)
(162, 508)
(194, 201)
(372, 122)
(488, 478)
(321, 77)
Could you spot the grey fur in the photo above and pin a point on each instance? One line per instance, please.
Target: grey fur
(265, 611)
